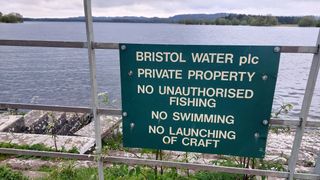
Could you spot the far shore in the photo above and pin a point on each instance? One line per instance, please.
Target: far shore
(278, 25)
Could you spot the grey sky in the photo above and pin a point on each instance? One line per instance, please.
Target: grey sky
(160, 8)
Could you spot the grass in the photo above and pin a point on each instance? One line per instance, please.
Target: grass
(124, 172)
(8, 174)
(112, 143)
(69, 171)
(37, 147)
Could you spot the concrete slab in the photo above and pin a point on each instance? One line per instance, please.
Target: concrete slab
(44, 122)
(108, 124)
(74, 121)
(56, 120)
(80, 123)
(83, 144)
(11, 123)
(36, 121)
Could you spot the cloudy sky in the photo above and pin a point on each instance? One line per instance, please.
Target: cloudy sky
(160, 8)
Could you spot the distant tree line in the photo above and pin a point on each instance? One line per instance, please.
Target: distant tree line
(253, 20)
(309, 21)
(207, 19)
(11, 18)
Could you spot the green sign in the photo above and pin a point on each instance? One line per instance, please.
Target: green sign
(198, 98)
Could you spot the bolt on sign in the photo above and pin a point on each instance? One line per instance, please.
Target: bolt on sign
(198, 98)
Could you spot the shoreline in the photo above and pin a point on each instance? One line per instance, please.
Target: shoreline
(120, 22)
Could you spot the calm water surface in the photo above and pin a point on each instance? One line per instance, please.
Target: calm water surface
(59, 76)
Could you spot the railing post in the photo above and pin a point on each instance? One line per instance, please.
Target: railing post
(313, 74)
(317, 167)
(94, 95)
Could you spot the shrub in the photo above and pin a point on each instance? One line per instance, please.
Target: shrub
(8, 174)
(307, 21)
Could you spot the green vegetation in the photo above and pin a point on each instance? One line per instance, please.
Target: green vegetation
(125, 172)
(11, 18)
(253, 20)
(226, 19)
(8, 174)
(69, 171)
(37, 147)
(234, 19)
(112, 143)
(284, 109)
(122, 171)
(308, 21)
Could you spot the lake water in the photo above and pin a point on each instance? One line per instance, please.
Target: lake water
(58, 76)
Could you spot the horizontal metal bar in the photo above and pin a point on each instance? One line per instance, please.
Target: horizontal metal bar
(150, 162)
(306, 176)
(100, 45)
(47, 154)
(118, 112)
(299, 49)
(114, 112)
(60, 44)
(97, 45)
(58, 108)
(282, 122)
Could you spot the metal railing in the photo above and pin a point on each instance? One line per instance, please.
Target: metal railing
(300, 123)
(118, 112)
(101, 45)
